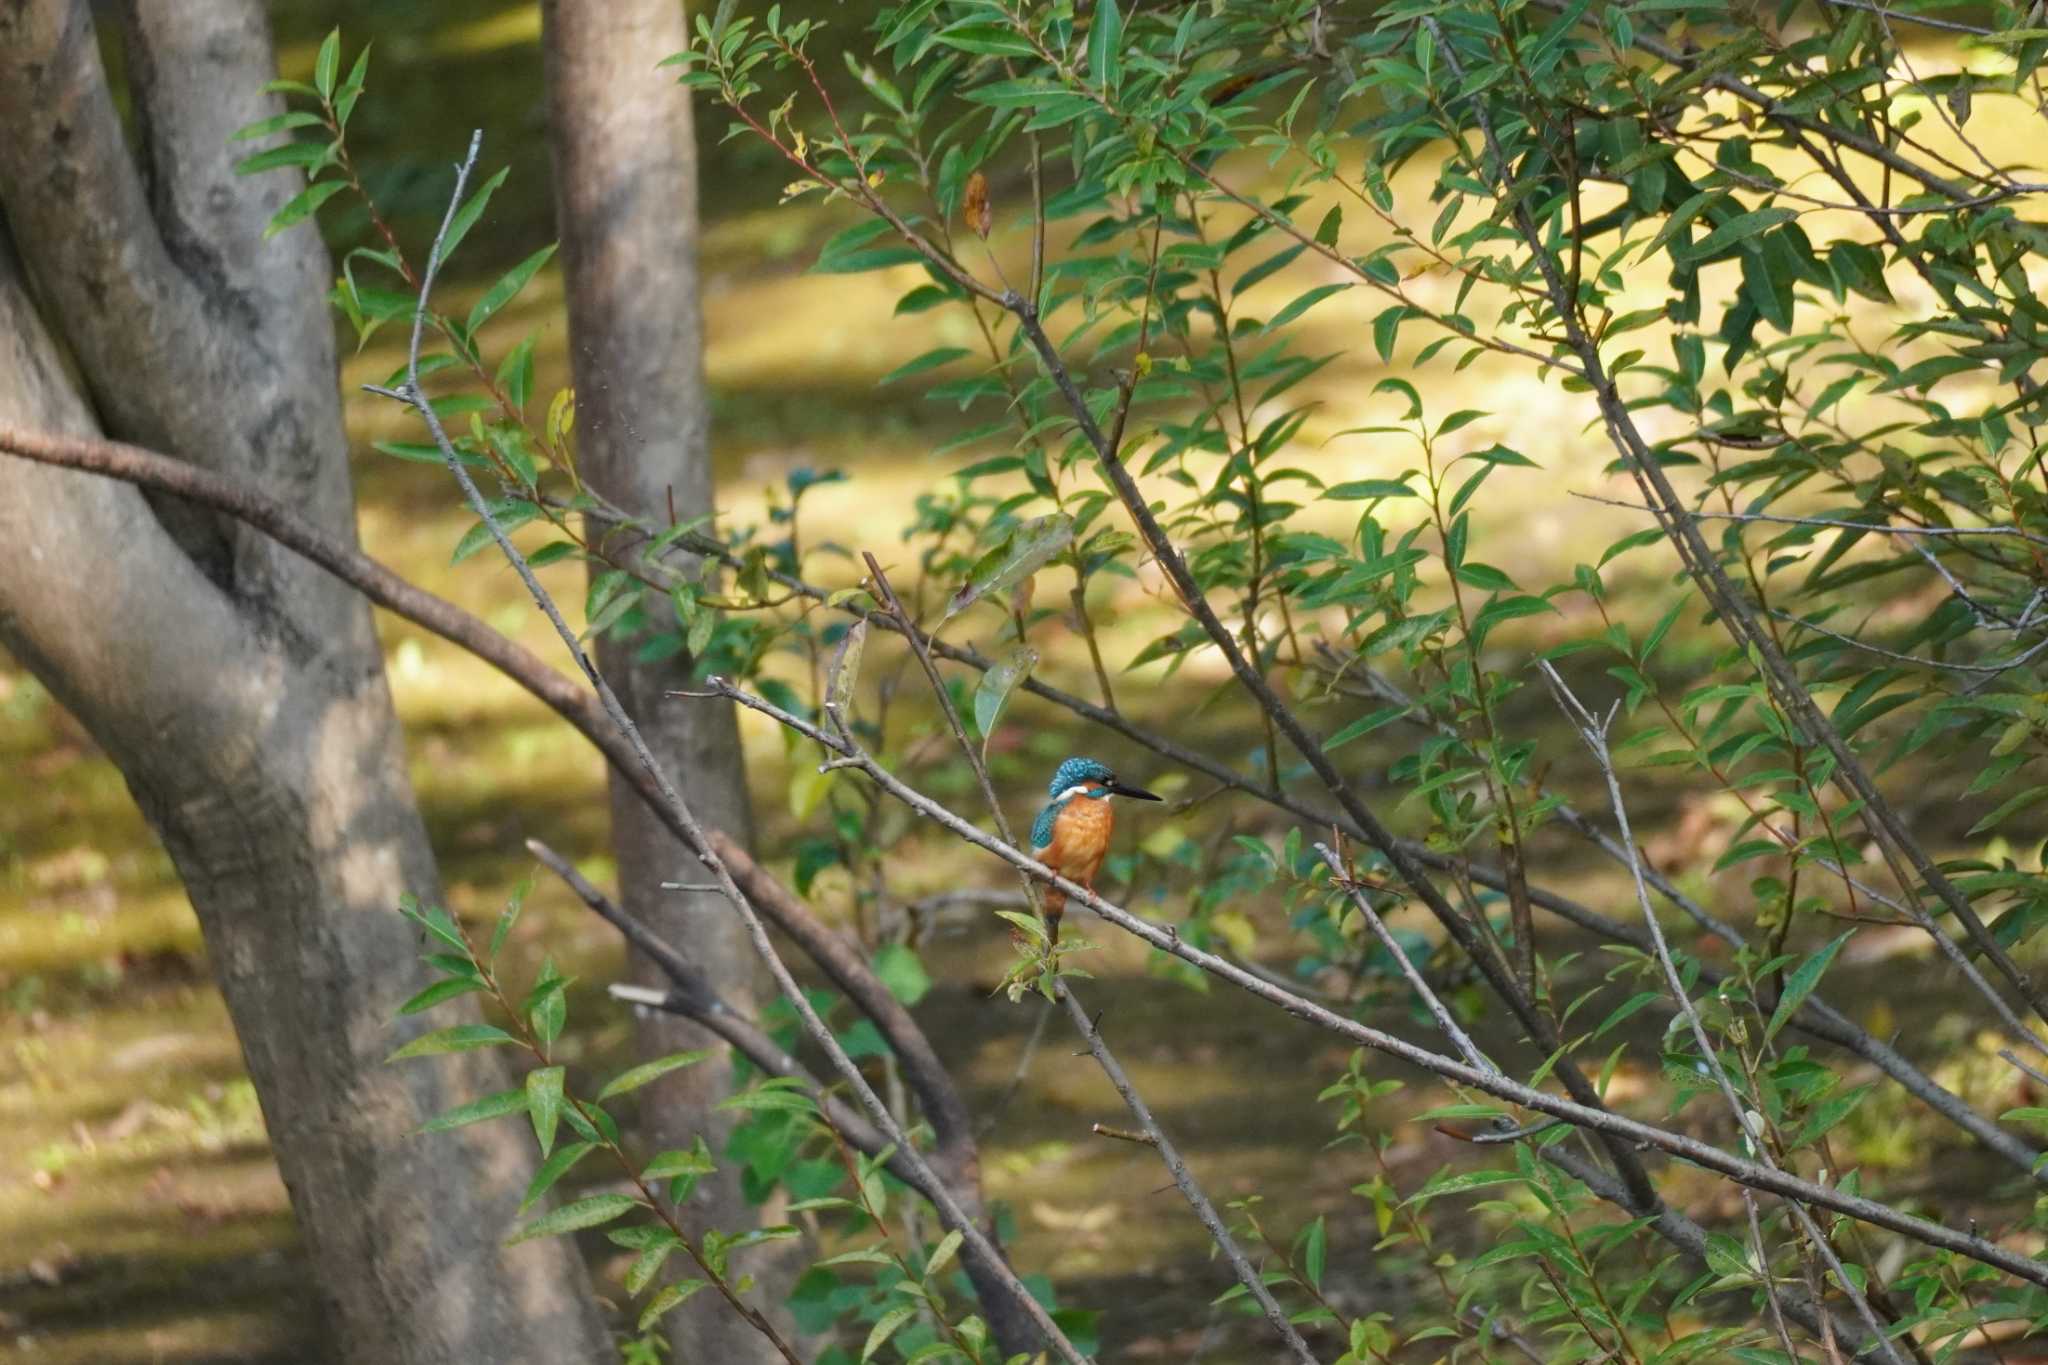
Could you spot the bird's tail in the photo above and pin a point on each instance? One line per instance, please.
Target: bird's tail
(1055, 906)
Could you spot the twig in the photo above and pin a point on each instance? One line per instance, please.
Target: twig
(1342, 878)
(1924, 20)
(955, 1217)
(1875, 528)
(1169, 1156)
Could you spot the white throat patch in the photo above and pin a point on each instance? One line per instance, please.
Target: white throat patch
(1078, 789)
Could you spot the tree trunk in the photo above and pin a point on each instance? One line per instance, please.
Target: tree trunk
(626, 203)
(240, 690)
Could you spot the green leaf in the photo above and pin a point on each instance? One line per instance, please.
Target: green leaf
(1105, 37)
(1302, 304)
(2016, 803)
(509, 513)
(553, 1169)
(307, 154)
(466, 216)
(1315, 1246)
(496, 1106)
(678, 1161)
(1801, 984)
(902, 971)
(461, 1038)
(1029, 548)
(1360, 489)
(328, 64)
(942, 1256)
(1506, 609)
(930, 360)
(507, 288)
(593, 1212)
(884, 1328)
(544, 1104)
(515, 373)
(852, 251)
(992, 694)
(674, 1296)
(1386, 327)
(788, 1101)
(302, 206)
(276, 123)
(647, 1265)
(1485, 577)
(1736, 230)
(649, 1071)
(989, 40)
(440, 992)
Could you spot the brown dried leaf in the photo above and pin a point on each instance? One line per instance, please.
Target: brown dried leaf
(975, 208)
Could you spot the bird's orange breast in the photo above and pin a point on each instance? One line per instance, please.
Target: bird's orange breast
(1080, 836)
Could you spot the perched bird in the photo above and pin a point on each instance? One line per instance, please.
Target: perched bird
(1072, 833)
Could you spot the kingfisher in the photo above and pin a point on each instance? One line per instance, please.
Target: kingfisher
(1071, 834)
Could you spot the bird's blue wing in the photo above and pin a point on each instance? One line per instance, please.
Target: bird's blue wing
(1041, 828)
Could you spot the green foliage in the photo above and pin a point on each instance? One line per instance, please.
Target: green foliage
(1759, 255)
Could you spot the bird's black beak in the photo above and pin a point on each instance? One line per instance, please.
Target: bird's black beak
(1117, 788)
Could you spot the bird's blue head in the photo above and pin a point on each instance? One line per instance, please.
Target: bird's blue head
(1076, 771)
(1093, 778)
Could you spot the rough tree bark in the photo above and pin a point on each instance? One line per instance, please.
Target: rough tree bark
(626, 207)
(241, 690)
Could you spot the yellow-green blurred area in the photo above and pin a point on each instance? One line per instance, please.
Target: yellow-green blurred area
(140, 1216)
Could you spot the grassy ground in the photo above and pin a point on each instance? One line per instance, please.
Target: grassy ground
(140, 1216)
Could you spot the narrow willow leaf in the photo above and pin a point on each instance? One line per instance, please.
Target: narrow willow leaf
(552, 1170)
(328, 64)
(507, 288)
(884, 1328)
(1030, 548)
(993, 692)
(461, 1038)
(648, 1071)
(277, 123)
(302, 206)
(678, 1161)
(544, 1104)
(646, 1266)
(466, 216)
(1802, 982)
(477, 1111)
(674, 1296)
(439, 992)
(1105, 38)
(942, 1256)
(584, 1213)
